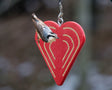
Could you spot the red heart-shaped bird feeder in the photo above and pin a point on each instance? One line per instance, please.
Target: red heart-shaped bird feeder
(61, 54)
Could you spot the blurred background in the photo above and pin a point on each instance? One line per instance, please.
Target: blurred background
(22, 67)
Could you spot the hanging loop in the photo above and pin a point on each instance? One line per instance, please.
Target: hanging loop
(60, 16)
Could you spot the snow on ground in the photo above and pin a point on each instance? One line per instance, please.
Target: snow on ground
(71, 83)
(96, 81)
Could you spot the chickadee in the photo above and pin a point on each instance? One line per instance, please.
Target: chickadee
(43, 30)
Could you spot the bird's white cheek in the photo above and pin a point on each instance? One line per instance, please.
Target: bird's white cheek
(51, 39)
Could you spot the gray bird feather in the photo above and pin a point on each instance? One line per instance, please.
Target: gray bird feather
(43, 30)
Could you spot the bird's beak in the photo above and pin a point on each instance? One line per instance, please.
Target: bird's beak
(57, 37)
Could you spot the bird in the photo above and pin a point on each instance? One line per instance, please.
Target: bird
(44, 32)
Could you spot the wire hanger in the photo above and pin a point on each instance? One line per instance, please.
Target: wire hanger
(60, 16)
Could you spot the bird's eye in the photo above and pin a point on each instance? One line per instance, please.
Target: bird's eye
(48, 36)
(52, 33)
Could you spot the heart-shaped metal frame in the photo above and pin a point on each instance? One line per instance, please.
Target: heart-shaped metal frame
(61, 54)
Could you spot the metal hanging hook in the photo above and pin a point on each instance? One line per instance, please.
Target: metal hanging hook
(60, 16)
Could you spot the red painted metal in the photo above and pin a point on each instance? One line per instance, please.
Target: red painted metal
(61, 54)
